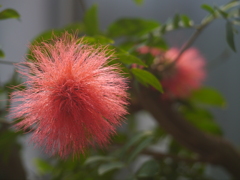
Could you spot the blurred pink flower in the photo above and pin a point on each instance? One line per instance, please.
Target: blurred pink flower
(187, 74)
(73, 98)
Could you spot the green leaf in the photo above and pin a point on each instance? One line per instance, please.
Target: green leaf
(2, 55)
(149, 169)
(208, 96)
(91, 21)
(142, 145)
(95, 159)
(131, 27)
(104, 168)
(98, 39)
(230, 35)
(223, 14)
(139, 2)
(75, 27)
(208, 8)
(163, 29)
(147, 78)
(9, 13)
(43, 166)
(127, 58)
(202, 119)
(176, 20)
(186, 21)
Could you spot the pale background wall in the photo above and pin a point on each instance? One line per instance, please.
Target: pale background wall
(40, 15)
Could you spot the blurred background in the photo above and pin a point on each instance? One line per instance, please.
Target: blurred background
(40, 15)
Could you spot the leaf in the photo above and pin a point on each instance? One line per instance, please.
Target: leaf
(2, 55)
(223, 14)
(142, 145)
(91, 21)
(9, 13)
(43, 166)
(139, 2)
(131, 27)
(104, 168)
(148, 169)
(147, 78)
(176, 20)
(202, 119)
(98, 39)
(95, 159)
(186, 21)
(208, 8)
(230, 35)
(127, 58)
(208, 96)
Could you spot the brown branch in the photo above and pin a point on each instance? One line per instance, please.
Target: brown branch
(212, 149)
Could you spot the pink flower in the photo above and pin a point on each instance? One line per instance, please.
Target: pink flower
(187, 74)
(73, 100)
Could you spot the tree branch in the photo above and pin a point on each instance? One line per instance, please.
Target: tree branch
(212, 149)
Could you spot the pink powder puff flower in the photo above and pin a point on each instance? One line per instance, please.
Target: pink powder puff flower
(73, 100)
(187, 74)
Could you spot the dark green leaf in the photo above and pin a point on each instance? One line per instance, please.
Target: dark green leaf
(208, 96)
(127, 58)
(176, 21)
(9, 13)
(2, 55)
(139, 2)
(230, 35)
(208, 8)
(142, 145)
(186, 21)
(202, 119)
(223, 14)
(131, 27)
(95, 159)
(163, 29)
(149, 169)
(147, 78)
(91, 21)
(104, 168)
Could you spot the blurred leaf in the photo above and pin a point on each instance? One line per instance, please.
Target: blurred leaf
(75, 27)
(147, 78)
(127, 58)
(43, 166)
(9, 13)
(142, 145)
(230, 35)
(148, 169)
(131, 27)
(202, 119)
(208, 8)
(91, 21)
(2, 55)
(208, 96)
(104, 168)
(176, 20)
(223, 14)
(98, 39)
(95, 159)
(139, 2)
(186, 21)
(136, 139)
(163, 28)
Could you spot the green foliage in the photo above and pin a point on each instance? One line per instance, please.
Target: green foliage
(230, 35)
(146, 78)
(208, 8)
(2, 55)
(91, 22)
(131, 27)
(139, 2)
(9, 13)
(149, 169)
(208, 96)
